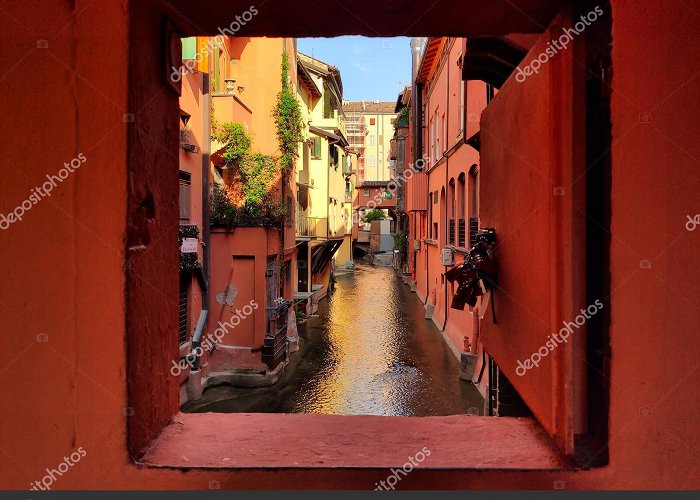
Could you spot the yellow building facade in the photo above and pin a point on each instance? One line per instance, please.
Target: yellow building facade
(325, 184)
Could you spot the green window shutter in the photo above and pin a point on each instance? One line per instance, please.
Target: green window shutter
(189, 48)
(327, 105)
(317, 147)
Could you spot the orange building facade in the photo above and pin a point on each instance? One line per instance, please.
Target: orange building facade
(233, 314)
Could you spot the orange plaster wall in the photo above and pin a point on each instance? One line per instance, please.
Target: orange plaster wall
(655, 185)
(253, 245)
(516, 195)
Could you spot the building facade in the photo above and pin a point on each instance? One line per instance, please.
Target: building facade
(236, 288)
(371, 127)
(443, 201)
(324, 181)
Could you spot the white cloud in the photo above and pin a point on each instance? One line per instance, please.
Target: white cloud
(360, 67)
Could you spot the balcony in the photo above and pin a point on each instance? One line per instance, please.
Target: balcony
(186, 142)
(310, 227)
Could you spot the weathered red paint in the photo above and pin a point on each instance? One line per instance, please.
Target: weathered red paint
(364, 441)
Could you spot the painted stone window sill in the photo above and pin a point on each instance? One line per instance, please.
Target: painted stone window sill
(251, 440)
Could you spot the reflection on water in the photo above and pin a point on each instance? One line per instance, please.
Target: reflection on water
(370, 351)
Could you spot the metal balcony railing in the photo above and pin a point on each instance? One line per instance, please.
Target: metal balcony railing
(306, 226)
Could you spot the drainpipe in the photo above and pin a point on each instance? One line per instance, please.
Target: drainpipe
(206, 154)
(206, 233)
(427, 183)
(447, 174)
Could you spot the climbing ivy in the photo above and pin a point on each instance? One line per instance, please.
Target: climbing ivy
(257, 171)
(237, 142)
(287, 114)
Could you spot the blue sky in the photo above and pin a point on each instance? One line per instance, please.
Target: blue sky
(371, 68)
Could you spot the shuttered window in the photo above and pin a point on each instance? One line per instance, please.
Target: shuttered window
(189, 48)
(316, 153)
(185, 181)
(327, 102)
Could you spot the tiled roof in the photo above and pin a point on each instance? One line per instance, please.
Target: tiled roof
(369, 107)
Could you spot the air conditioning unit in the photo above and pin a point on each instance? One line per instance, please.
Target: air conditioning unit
(448, 257)
(416, 245)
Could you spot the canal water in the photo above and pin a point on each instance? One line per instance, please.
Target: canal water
(369, 351)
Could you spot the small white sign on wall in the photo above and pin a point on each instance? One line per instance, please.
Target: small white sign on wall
(189, 245)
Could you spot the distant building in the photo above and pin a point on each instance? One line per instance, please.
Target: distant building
(370, 129)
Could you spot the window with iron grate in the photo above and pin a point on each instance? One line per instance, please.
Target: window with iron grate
(473, 229)
(183, 319)
(461, 233)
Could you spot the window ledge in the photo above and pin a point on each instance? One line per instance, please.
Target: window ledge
(245, 440)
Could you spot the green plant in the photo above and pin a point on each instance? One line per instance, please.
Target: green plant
(402, 118)
(188, 261)
(236, 140)
(287, 114)
(256, 171)
(222, 211)
(265, 212)
(401, 242)
(375, 214)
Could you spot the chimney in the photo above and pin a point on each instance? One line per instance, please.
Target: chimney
(416, 47)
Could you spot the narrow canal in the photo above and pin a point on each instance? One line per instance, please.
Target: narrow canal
(369, 351)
